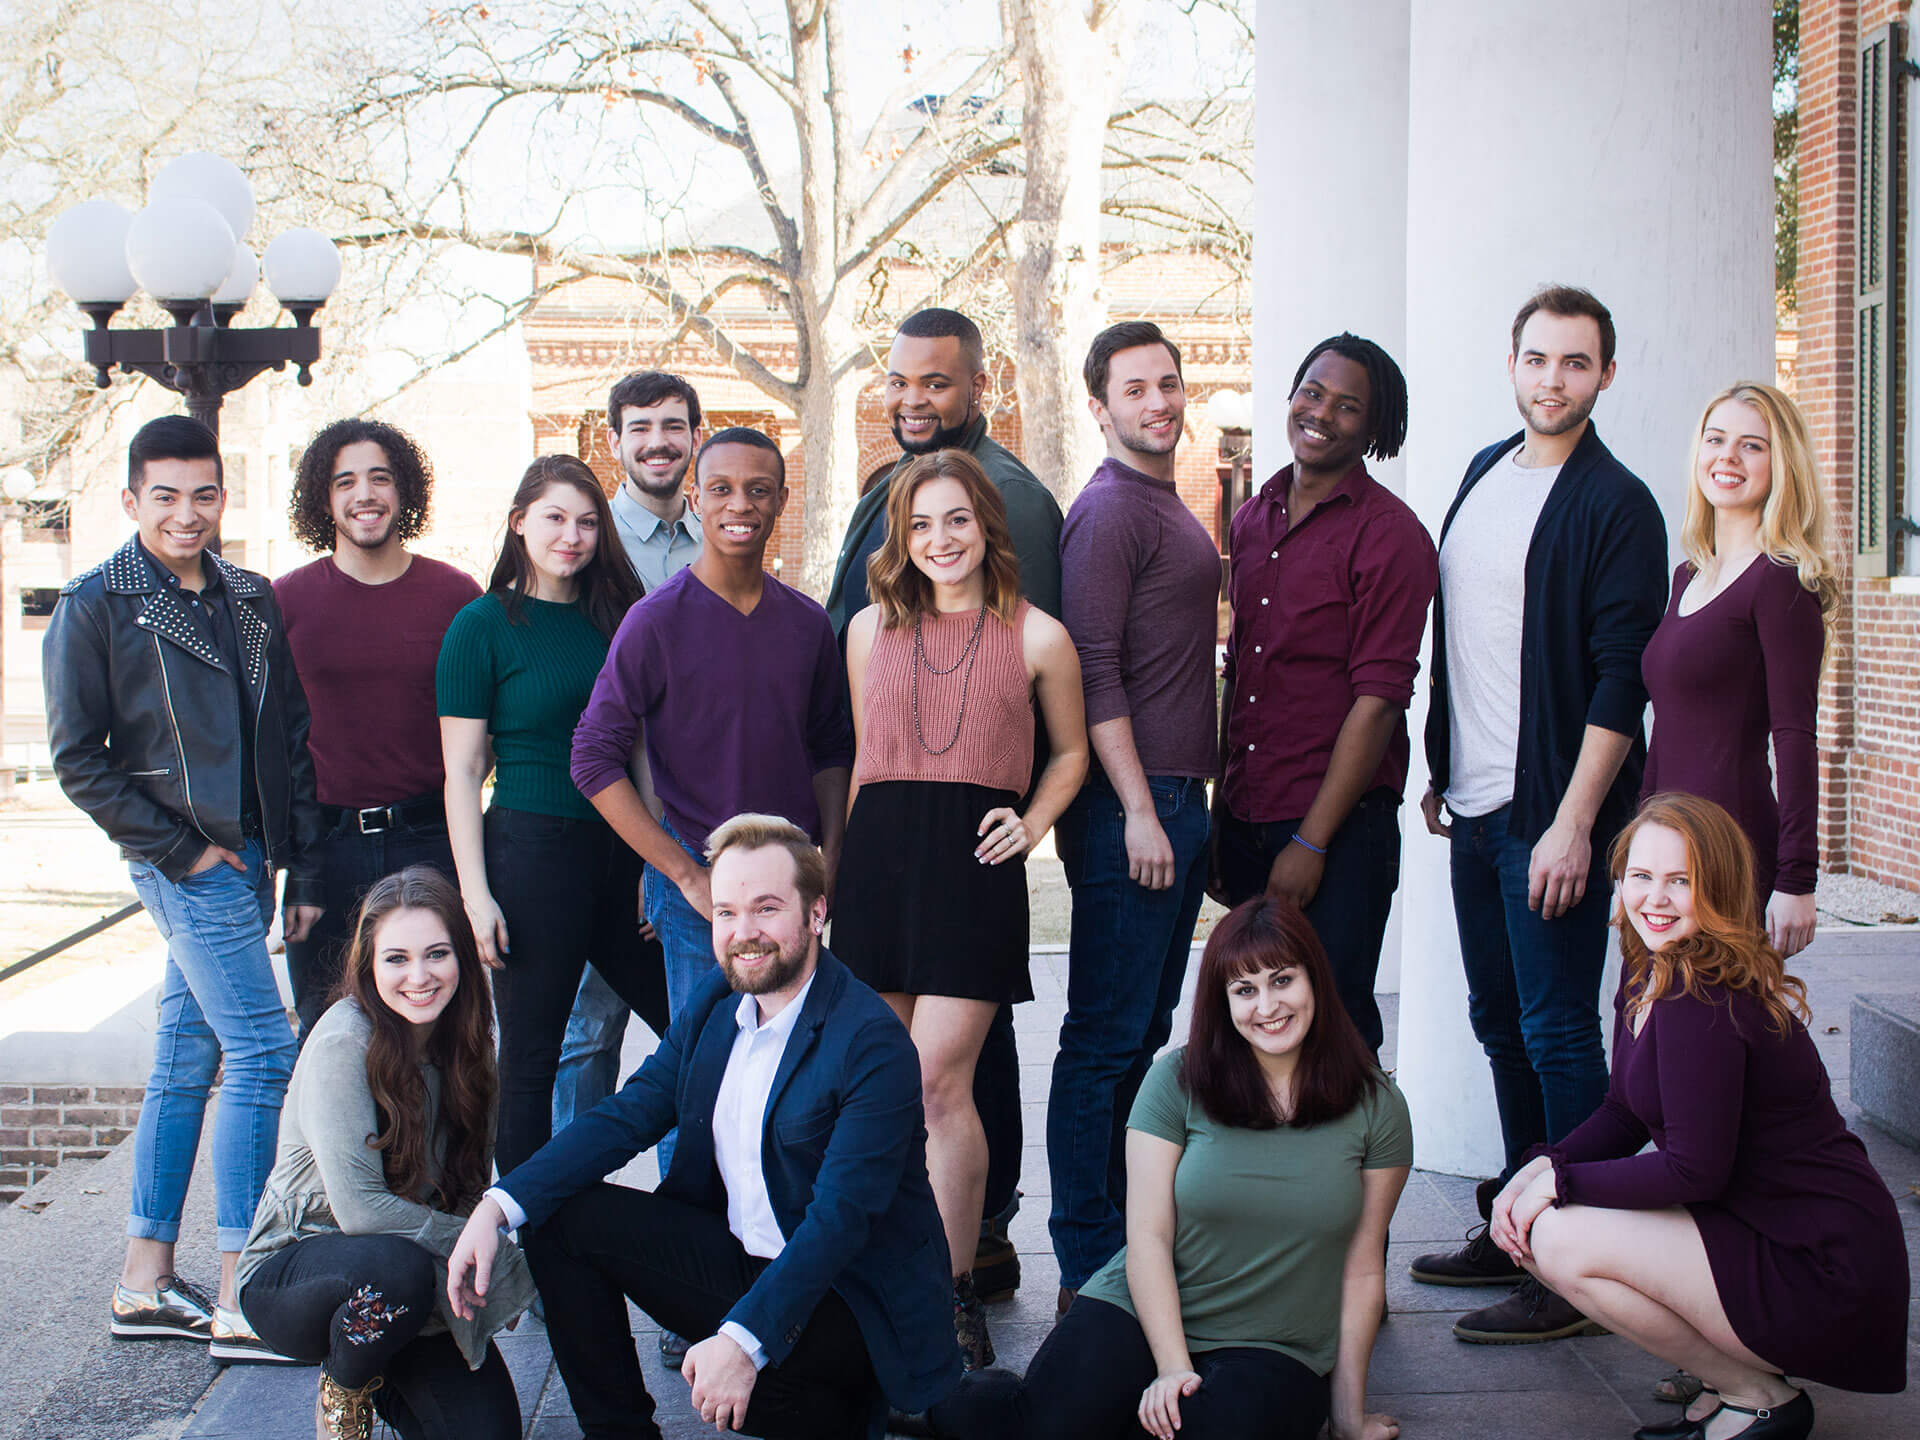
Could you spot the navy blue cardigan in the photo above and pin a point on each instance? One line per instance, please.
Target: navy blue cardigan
(1596, 588)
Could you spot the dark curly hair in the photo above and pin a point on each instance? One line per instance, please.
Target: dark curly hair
(311, 508)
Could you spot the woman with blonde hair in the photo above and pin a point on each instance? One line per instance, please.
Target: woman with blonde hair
(946, 668)
(1755, 1237)
(1736, 662)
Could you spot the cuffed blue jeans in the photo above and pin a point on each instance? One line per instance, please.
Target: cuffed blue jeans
(1533, 984)
(218, 1002)
(1126, 961)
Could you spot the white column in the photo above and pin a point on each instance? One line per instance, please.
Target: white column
(1330, 209)
(1330, 215)
(1622, 147)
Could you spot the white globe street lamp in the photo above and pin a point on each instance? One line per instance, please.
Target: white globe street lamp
(186, 248)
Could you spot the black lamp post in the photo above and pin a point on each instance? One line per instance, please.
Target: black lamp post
(185, 249)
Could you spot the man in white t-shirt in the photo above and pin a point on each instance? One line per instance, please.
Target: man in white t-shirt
(1552, 578)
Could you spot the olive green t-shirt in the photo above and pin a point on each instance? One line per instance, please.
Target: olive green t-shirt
(529, 681)
(1262, 1217)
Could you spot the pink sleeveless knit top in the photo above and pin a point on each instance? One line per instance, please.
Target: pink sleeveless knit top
(990, 743)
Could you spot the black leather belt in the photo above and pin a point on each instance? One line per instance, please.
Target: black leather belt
(377, 819)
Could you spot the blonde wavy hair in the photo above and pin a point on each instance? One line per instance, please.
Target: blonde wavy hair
(1793, 523)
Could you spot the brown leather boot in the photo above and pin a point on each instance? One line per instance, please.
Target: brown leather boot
(343, 1414)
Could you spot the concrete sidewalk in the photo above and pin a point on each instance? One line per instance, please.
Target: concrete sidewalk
(64, 1377)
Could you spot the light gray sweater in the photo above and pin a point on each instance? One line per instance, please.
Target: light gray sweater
(327, 1180)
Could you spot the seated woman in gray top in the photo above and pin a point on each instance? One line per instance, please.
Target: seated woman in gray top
(386, 1143)
(1264, 1160)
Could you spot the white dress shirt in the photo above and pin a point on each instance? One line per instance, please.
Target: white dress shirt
(739, 1124)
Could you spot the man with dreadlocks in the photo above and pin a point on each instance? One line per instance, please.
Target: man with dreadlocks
(1331, 578)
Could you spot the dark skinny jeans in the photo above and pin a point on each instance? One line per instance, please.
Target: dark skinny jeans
(1086, 1380)
(570, 892)
(355, 1304)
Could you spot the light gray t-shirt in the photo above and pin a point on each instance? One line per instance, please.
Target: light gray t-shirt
(1483, 584)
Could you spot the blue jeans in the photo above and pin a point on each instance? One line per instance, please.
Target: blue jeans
(218, 1002)
(1533, 985)
(687, 938)
(1125, 964)
(590, 1050)
(1349, 911)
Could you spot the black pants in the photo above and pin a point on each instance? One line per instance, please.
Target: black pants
(350, 864)
(570, 892)
(682, 1266)
(1088, 1375)
(1349, 911)
(355, 1305)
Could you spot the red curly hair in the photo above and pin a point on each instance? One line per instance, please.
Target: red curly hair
(1729, 949)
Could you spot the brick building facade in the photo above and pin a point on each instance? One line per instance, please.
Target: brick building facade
(1870, 700)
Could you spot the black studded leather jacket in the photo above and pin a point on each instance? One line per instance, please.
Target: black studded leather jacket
(141, 720)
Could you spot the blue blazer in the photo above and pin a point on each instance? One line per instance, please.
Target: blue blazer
(844, 1153)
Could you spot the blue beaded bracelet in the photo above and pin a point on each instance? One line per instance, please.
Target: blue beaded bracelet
(1307, 844)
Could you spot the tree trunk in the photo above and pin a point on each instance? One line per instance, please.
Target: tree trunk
(830, 444)
(1070, 65)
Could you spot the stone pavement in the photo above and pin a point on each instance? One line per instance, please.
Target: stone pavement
(64, 1377)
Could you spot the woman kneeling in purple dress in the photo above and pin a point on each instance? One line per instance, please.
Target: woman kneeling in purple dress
(1756, 1237)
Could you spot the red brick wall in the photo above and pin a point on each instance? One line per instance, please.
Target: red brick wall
(41, 1125)
(1870, 723)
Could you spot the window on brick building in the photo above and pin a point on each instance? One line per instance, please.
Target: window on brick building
(36, 606)
(1878, 369)
(48, 522)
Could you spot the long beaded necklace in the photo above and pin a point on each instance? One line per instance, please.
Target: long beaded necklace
(967, 657)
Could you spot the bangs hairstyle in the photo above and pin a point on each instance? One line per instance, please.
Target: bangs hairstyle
(461, 1047)
(1730, 948)
(897, 585)
(761, 832)
(1793, 522)
(1335, 1071)
(606, 588)
(310, 510)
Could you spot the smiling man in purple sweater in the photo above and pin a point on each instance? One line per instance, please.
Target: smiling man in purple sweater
(1140, 582)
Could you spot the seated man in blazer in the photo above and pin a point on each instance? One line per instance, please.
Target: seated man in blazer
(795, 1228)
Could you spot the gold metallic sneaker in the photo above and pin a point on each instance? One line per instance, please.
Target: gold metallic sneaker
(173, 1310)
(234, 1343)
(343, 1414)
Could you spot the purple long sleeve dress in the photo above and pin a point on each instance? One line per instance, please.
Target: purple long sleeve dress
(1803, 1239)
(1741, 670)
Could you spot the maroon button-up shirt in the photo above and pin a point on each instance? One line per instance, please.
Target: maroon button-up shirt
(1323, 612)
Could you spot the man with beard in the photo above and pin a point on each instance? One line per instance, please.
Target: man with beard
(1141, 582)
(653, 428)
(1552, 578)
(936, 376)
(365, 622)
(795, 1232)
